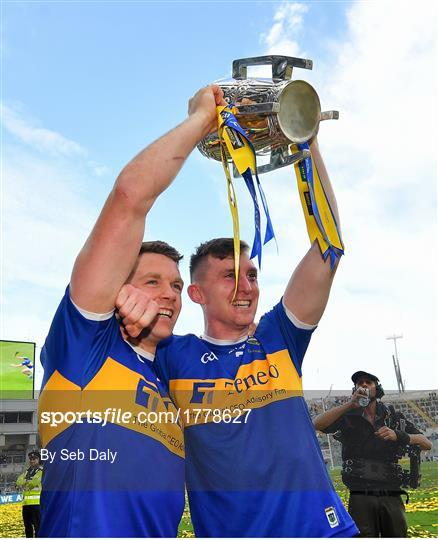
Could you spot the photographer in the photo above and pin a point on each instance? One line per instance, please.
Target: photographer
(374, 437)
(30, 481)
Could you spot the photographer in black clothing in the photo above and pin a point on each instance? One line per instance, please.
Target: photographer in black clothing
(374, 437)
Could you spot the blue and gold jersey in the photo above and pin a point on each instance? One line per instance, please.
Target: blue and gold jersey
(26, 362)
(113, 461)
(253, 463)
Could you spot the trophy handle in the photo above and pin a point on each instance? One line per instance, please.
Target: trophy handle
(281, 65)
(330, 115)
(259, 108)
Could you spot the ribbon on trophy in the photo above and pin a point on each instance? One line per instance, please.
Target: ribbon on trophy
(320, 220)
(234, 138)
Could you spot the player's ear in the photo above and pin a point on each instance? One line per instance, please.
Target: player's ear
(195, 293)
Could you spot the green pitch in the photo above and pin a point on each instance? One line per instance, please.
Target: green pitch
(13, 383)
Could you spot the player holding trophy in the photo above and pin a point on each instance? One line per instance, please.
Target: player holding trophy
(253, 463)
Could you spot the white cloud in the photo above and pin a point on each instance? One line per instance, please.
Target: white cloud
(381, 155)
(288, 21)
(46, 217)
(47, 212)
(42, 139)
(281, 37)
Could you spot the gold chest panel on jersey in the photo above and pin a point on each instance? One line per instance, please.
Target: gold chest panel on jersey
(255, 385)
(119, 389)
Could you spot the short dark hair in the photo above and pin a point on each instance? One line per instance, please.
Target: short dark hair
(219, 248)
(162, 248)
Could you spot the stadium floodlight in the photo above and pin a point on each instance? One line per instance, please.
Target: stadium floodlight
(398, 376)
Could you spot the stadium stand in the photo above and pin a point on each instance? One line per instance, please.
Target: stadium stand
(18, 435)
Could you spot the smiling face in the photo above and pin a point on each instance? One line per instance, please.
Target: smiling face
(213, 288)
(159, 277)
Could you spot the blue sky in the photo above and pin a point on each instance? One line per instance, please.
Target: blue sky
(81, 63)
(86, 85)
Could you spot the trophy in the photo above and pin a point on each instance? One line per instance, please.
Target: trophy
(278, 118)
(275, 113)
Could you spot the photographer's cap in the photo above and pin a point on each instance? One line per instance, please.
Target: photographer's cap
(356, 376)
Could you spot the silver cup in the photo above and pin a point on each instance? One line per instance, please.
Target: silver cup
(275, 112)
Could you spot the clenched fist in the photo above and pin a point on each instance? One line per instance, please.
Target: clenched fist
(137, 310)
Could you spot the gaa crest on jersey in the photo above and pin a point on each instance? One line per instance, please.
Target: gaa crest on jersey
(208, 357)
(332, 517)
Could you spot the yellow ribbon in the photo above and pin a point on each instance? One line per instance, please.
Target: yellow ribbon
(243, 157)
(329, 237)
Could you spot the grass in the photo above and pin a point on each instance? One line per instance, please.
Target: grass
(13, 383)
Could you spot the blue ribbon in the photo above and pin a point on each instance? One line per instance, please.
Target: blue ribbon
(231, 121)
(269, 234)
(257, 243)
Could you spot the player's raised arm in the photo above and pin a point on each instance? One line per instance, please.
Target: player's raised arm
(109, 254)
(308, 289)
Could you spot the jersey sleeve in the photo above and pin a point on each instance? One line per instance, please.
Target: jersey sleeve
(77, 342)
(279, 329)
